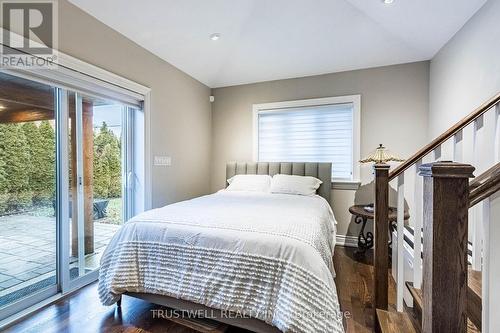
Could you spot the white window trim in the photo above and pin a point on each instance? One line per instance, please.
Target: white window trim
(354, 99)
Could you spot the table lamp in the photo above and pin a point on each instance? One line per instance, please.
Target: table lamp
(379, 155)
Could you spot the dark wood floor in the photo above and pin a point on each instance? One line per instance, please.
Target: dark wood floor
(82, 311)
(355, 289)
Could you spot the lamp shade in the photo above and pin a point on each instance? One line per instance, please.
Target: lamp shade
(381, 155)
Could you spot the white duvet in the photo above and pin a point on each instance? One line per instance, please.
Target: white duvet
(268, 256)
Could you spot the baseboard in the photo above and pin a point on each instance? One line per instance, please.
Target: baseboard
(349, 241)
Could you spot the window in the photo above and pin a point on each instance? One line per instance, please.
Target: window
(313, 130)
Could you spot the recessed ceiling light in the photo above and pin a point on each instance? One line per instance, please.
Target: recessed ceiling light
(215, 36)
(388, 1)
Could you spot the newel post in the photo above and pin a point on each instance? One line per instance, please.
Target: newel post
(446, 205)
(381, 226)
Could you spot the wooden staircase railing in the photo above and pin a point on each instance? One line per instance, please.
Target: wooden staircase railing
(485, 185)
(445, 136)
(446, 205)
(441, 205)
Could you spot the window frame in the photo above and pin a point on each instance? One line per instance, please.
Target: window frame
(339, 183)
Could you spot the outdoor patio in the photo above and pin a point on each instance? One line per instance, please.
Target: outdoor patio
(28, 252)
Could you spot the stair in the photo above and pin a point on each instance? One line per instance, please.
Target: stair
(473, 301)
(394, 322)
(417, 300)
(447, 194)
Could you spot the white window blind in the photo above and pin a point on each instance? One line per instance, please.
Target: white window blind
(309, 134)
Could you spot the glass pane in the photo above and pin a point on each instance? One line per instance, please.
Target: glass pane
(27, 188)
(97, 173)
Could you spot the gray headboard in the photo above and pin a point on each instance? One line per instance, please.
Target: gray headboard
(322, 171)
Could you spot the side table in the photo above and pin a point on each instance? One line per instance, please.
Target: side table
(365, 240)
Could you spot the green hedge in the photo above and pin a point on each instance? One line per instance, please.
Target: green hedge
(27, 165)
(107, 164)
(17, 165)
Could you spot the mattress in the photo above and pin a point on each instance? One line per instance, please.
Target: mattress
(266, 256)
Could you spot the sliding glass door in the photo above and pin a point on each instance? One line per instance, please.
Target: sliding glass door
(101, 173)
(28, 221)
(71, 172)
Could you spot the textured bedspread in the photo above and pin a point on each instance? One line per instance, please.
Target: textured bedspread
(265, 255)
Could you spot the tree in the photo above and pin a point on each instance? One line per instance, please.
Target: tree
(15, 154)
(111, 154)
(107, 164)
(35, 149)
(101, 175)
(3, 176)
(41, 146)
(48, 171)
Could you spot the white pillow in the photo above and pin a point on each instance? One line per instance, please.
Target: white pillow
(256, 183)
(301, 185)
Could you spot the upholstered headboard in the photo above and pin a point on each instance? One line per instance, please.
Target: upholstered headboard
(322, 171)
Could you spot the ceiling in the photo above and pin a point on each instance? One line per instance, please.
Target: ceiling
(265, 40)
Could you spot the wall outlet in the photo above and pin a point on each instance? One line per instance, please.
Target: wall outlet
(163, 161)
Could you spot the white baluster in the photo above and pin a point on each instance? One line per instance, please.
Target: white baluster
(491, 265)
(476, 225)
(437, 153)
(400, 228)
(417, 232)
(491, 237)
(458, 151)
(496, 143)
(478, 145)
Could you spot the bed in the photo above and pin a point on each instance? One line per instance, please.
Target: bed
(258, 261)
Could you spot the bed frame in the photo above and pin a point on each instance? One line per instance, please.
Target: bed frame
(322, 171)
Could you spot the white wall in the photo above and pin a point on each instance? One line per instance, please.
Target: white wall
(394, 110)
(181, 111)
(463, 75)
(466, 71)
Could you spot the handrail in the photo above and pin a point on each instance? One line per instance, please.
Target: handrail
(484, 185)
(445, 136)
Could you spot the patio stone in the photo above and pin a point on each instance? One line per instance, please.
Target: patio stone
(9, 283)
(27, 276)
(19, 268)
(28, 248)
(44, 269)
(4, 277)
(45, 259)
(6, 258)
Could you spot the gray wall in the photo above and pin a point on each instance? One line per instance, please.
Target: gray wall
(466, 71)
(181, 111)
(394, 110)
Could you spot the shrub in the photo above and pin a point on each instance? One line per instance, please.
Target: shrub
(27, 165)
(107, 164)
(47, 172)
(41, 147)
(3, 179)
(16, 157)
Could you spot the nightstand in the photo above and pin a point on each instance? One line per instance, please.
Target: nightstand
(362, 216)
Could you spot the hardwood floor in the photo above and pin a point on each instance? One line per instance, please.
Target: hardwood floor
(82, 311)
(355, 289)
